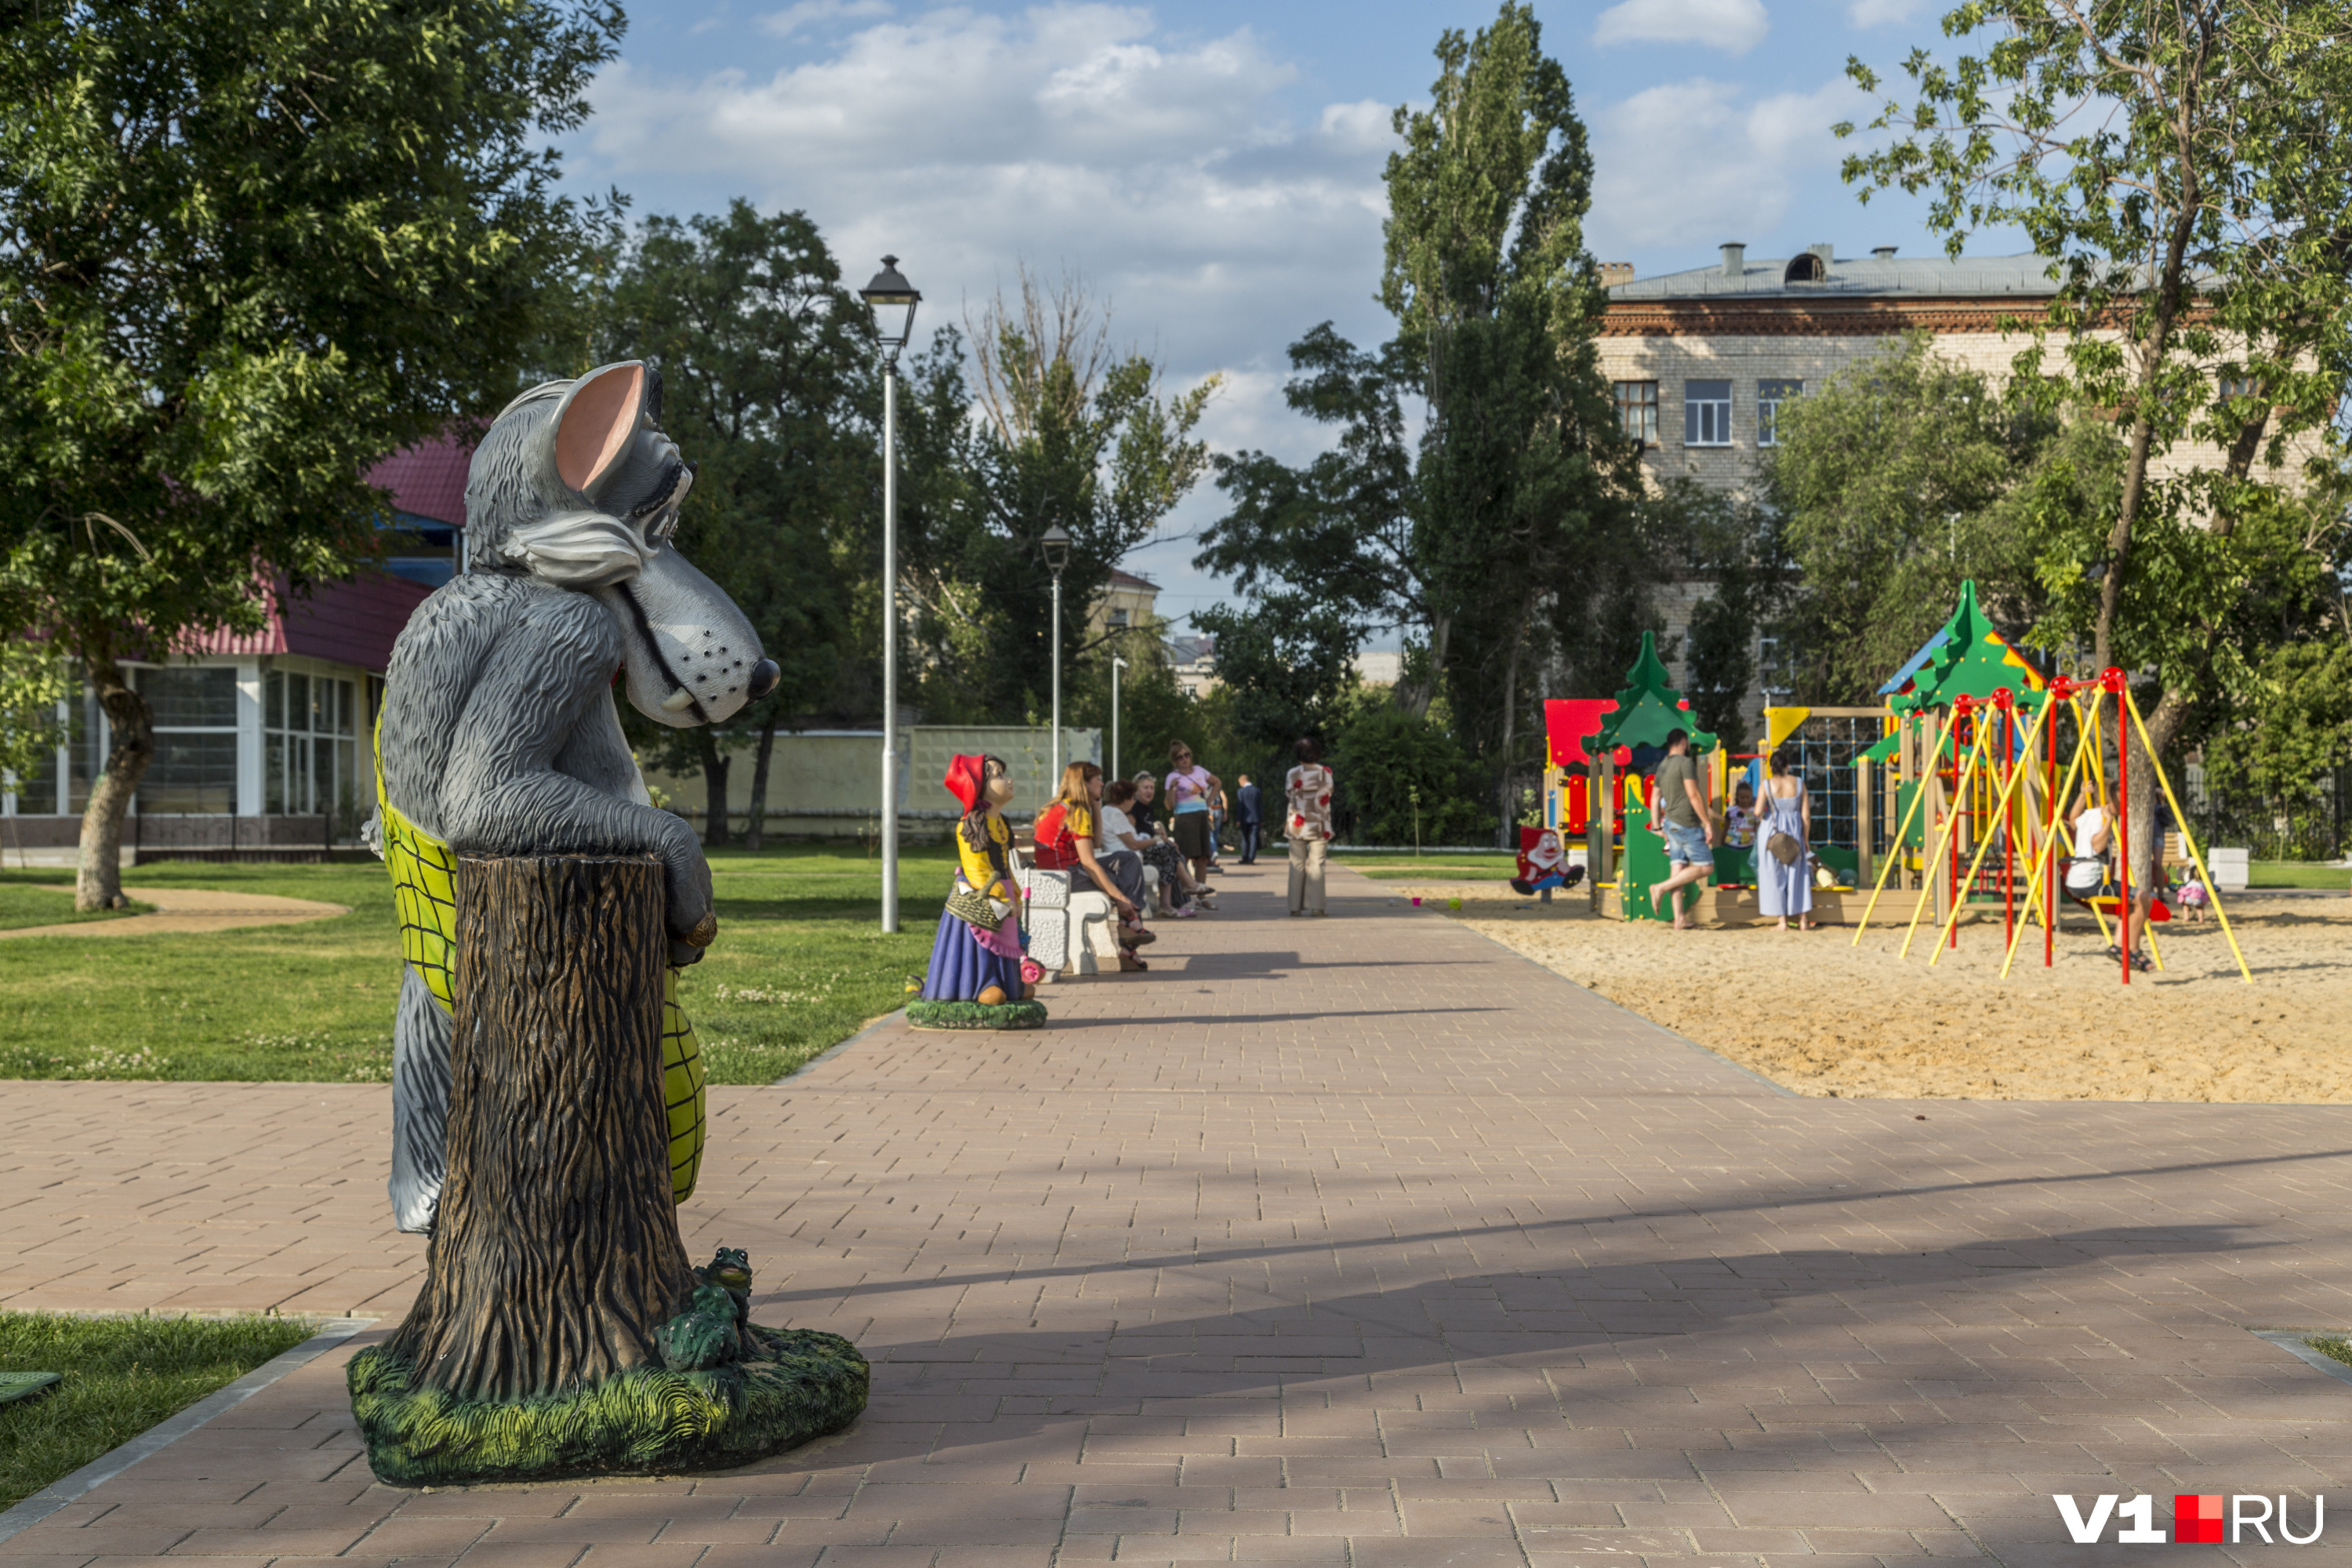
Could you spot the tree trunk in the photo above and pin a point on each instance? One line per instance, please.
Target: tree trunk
(556, 1252)
(1507, 820)
(715, 763)
(755, 824)
(131, 729)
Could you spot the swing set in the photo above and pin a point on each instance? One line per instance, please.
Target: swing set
(1993, 784)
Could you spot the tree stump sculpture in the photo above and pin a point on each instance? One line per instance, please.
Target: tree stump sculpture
(561, 1329)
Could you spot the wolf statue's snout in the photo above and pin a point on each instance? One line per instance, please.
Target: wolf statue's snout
(764, 676)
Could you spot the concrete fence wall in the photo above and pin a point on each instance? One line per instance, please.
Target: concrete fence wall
(828, 783)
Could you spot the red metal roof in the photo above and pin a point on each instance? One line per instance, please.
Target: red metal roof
(428, 478)
(352, 622)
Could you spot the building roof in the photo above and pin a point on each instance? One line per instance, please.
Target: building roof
(1119, 579)
(427, 479)
(351, 622)
(2024, 275)
(1192, 649)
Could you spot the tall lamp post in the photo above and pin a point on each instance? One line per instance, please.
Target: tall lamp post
(1116, 666)
(893, 300)
(1056, 547)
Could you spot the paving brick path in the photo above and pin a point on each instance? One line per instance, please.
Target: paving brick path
(1356, 1241)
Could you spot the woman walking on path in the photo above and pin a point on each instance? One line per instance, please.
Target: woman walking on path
(1191, 787)
(1784, 860)
(1308, 821)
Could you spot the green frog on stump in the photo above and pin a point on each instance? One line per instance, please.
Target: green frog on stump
(716, 1326)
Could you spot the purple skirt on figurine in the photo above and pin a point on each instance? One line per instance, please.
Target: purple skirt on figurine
(962, 968)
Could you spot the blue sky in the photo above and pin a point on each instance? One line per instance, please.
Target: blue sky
(1214, 168)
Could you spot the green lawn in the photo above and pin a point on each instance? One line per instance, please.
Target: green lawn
(2297, 874)
(22, 906)
(121, 1376)
(800, 965)
(1499, 867)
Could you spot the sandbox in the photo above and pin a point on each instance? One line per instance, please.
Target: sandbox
(1823, 1016)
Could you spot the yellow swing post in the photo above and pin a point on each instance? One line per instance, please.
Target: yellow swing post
(1951, 826)
(2196, 856)
(2000, 812)
(1895, 845)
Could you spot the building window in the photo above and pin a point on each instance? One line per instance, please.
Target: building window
(1117, 619)
(195, 768)
(310, 751)
(1707, 414)
(1770, 395)
(1637, 410)
(1773, 676)
(2234, 386)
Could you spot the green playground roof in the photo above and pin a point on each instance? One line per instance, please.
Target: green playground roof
(1967, 657)
(1648, 706)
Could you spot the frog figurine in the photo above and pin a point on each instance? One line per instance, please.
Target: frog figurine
(715, 1326)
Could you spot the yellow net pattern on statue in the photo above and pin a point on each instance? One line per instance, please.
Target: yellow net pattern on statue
(425, 897)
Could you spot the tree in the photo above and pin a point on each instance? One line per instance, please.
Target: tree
(1072, 433)
(1733, 542)
(766, 364)
(1396, 771)
(245, 252)
(1289, 663)
(1889, 483)
(2189, 168)
(33, 681)
(1510, 528)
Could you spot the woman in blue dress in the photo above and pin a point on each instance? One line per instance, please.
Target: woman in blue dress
(1784, 881)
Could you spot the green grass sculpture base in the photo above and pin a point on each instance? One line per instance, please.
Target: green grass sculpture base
(976, 1016)
(645, 1422)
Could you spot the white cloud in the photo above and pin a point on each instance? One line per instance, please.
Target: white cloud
(808, 13)
(1221, 220)
(1881, 13)
(1734, 26)
(1697, 162)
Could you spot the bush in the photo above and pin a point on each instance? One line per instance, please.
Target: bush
(1382, 755)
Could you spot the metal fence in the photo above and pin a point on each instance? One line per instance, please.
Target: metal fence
(2304, 826)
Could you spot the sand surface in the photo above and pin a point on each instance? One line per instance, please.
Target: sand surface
(183, 910)
(1824, 1016)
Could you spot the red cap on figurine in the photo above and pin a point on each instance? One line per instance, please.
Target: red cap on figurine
(963, 780)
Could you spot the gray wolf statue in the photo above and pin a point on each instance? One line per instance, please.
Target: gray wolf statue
(497, 731)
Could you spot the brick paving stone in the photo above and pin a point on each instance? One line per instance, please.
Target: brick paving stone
(1356, 1241)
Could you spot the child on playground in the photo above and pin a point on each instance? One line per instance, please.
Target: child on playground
(2194, 899)
(1739, 822)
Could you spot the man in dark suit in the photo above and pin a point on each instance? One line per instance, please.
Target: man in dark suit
(1247, 818)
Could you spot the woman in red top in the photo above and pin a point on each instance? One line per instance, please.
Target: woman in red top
(1065, 832)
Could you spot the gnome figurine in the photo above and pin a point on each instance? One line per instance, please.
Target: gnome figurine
(978, 954)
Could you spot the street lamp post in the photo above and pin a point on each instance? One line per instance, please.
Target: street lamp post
(1117, 664)
(893, 300)
(1056, 547)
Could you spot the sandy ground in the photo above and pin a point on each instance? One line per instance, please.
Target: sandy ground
(1824, 1016)
(181, 911)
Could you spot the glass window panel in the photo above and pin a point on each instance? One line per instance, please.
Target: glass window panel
(191, 773)
(1637, 409)
(273, 774)
(348, 708)
(273, 700)
(298, 702)
(1770, 395)
(191, 698)
(1707, 413)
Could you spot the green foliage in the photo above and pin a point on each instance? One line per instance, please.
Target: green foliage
(120, 1377)
(33, 681)
(802, 1384)
(800, 965)
(1899, 479)
(2300, 727)
(1153, 714)
(1382, 758)
(975, 1016)
(1071, 432)
(1734, 542)
(245, 252)
(1289, 663)
(2190, 167)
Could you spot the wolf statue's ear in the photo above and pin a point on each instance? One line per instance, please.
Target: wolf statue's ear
(594, 423)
